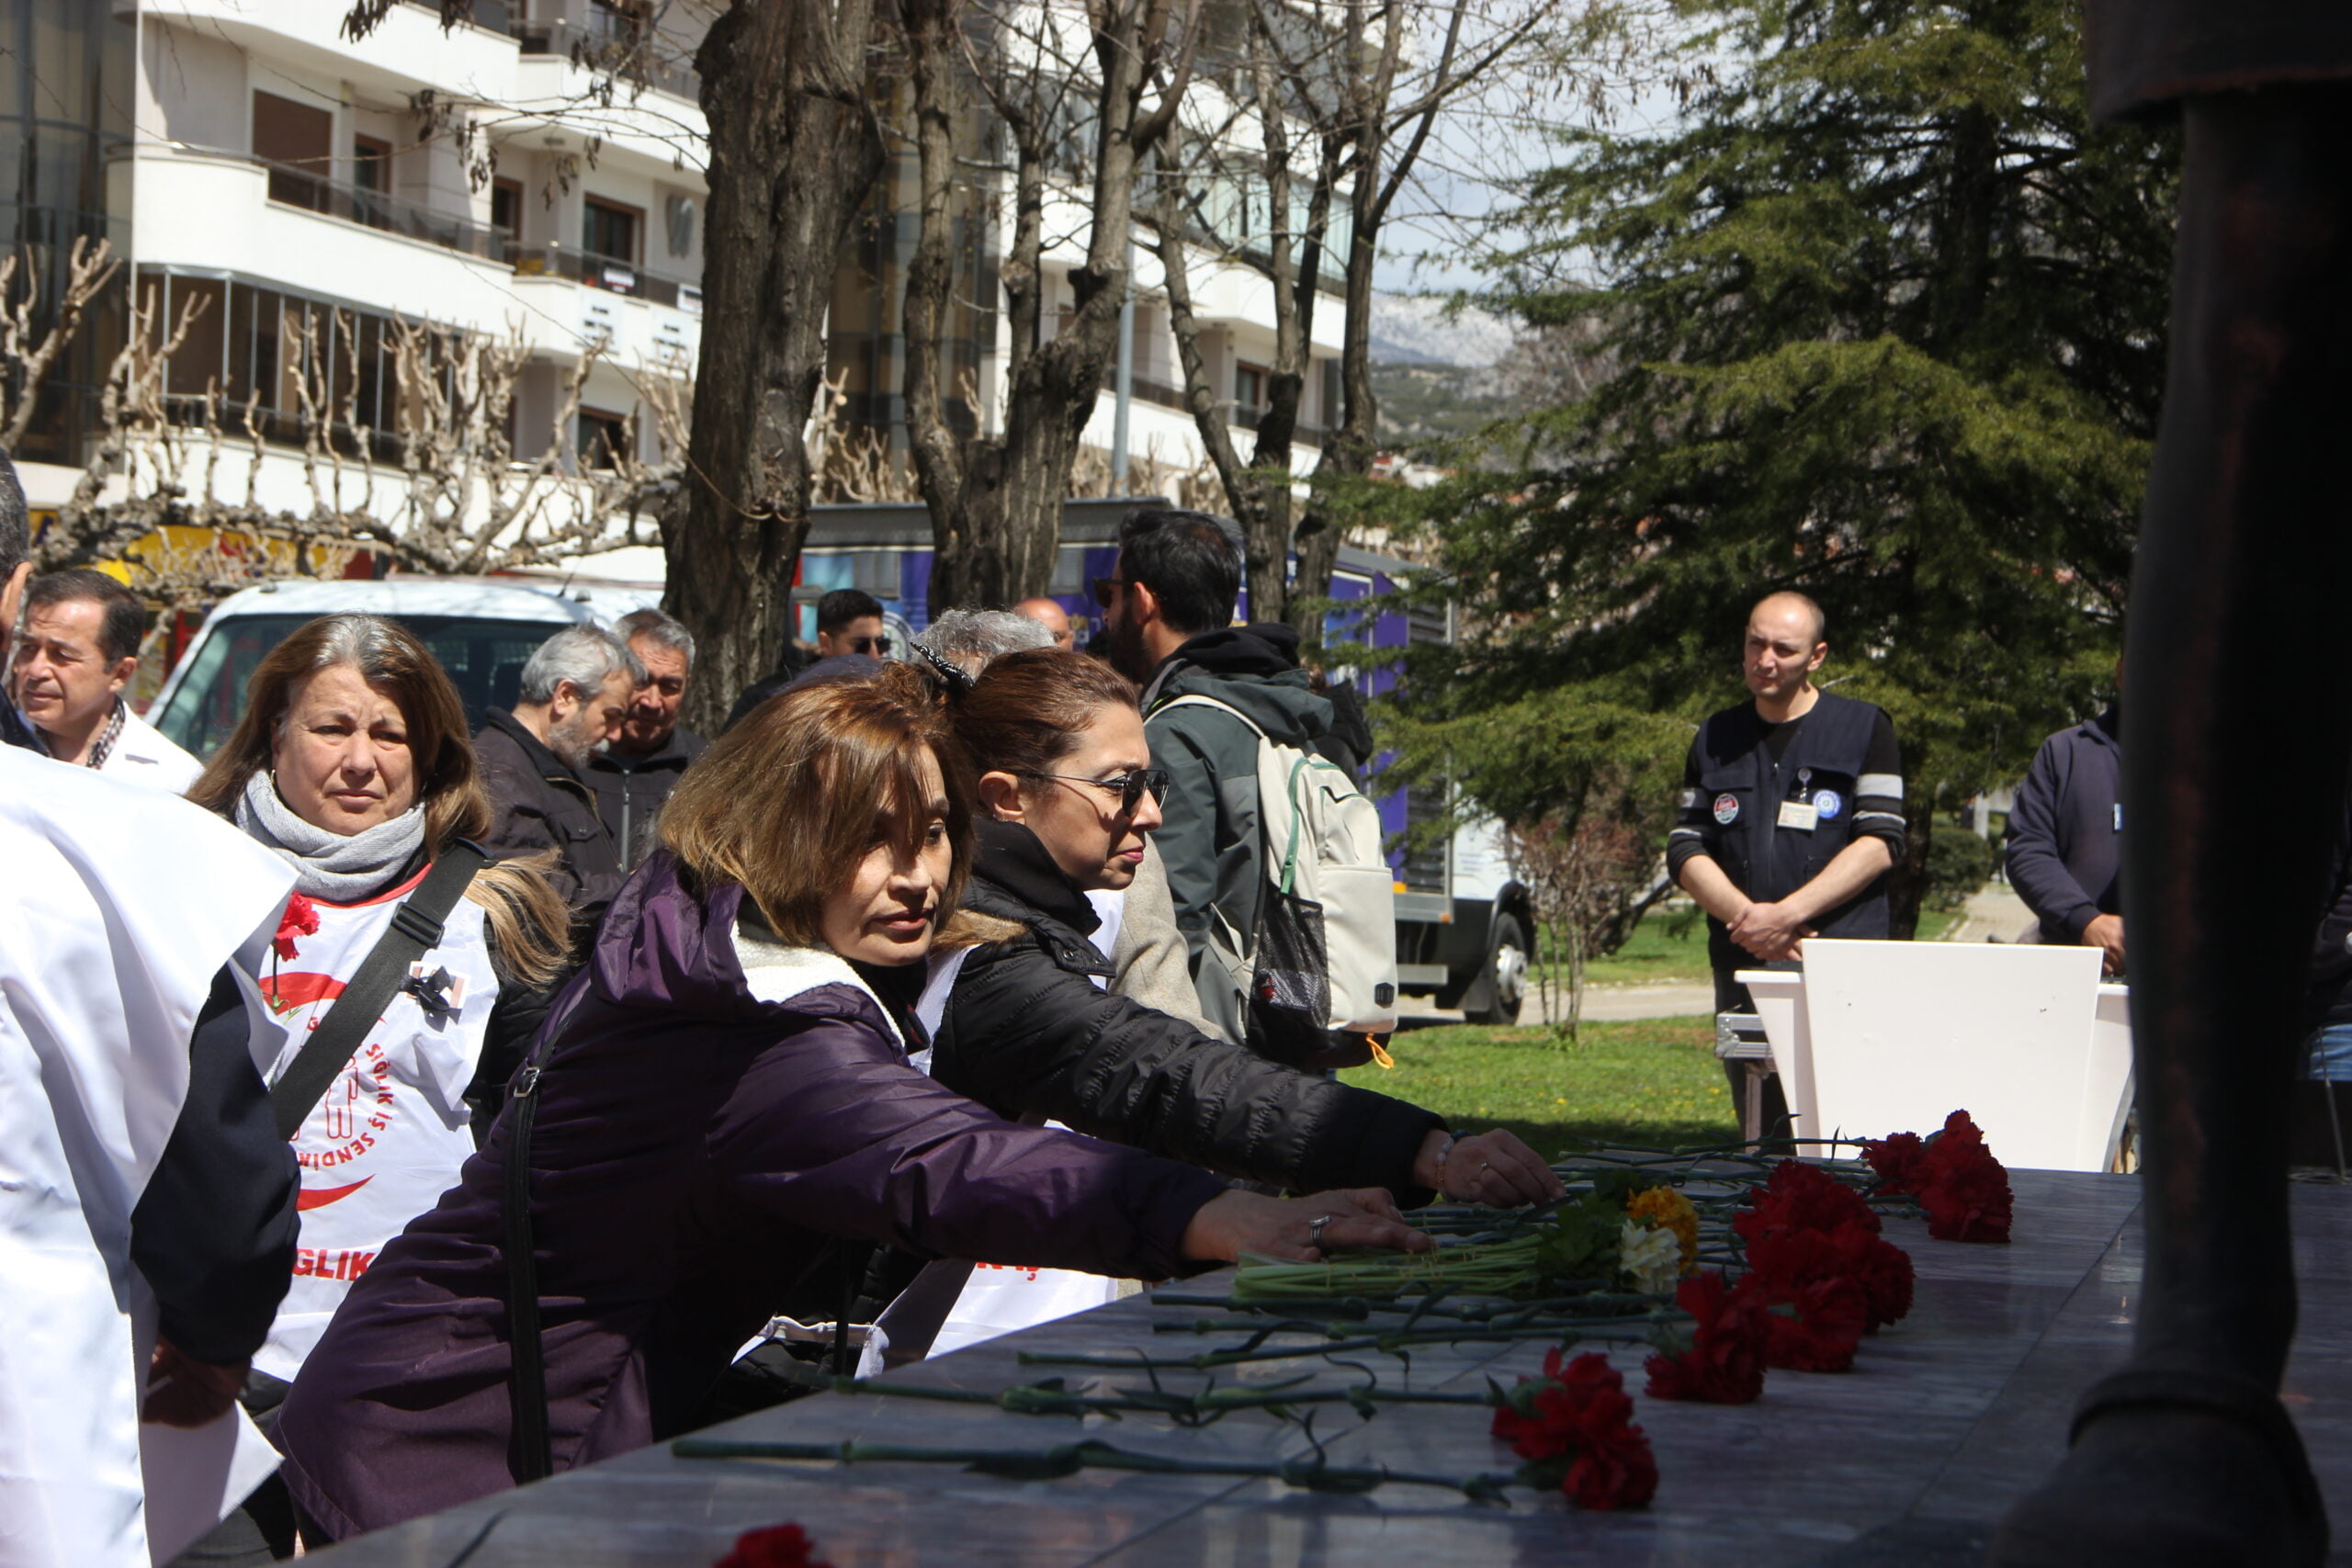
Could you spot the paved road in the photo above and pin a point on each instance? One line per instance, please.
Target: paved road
(1602, 1004)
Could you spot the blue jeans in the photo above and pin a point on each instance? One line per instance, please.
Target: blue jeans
(2330, 1058)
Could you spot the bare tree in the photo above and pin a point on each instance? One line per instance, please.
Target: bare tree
(28, 352)
(996, 502)
(177, 485)
(1591, 877)
(1333, 104)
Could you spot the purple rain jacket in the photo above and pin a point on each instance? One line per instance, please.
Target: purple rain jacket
(702, 1134)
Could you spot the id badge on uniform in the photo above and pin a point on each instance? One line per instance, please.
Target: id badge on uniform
(1799, 815)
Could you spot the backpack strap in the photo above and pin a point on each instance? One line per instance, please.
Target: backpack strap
(415, 930)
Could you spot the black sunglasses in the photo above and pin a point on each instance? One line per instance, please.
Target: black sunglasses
(1106, 589)
(1129, 785)
(879, 646)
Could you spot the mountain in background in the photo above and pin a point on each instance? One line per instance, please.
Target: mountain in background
(1437, 375)
(1410, 329)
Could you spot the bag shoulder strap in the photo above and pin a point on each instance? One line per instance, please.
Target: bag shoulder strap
(415, 930)
(1196, 700)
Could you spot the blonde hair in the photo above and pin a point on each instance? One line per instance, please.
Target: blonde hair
(528, 918)
(785, 803)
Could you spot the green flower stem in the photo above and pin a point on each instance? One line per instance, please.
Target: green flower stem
(1208, 1360)
(1068, 1459)
(1044, 1399)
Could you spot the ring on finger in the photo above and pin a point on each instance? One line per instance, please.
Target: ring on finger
(1315, 1230)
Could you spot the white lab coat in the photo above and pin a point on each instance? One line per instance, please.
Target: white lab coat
(116, 909)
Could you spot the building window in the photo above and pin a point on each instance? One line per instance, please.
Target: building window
(603, 437)
(372, 180)
(609, 232)
(1248, 394)
(506, 209)
(297, 140)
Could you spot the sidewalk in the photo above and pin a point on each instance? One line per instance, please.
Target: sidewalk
(1993, 914)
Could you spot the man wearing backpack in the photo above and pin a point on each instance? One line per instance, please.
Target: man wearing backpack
(1168, 610)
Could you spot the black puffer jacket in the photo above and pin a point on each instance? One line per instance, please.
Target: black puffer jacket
(1027, 1032)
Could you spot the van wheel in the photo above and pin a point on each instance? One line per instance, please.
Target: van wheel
(1506, 974)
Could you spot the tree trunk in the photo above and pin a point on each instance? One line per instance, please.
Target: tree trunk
(795, 146)
(995, 506)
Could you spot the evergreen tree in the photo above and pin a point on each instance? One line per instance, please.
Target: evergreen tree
(1881, 320)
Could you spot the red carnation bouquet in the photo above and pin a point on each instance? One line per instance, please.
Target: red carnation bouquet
(1574, 1426)
(1963, 1189)
(1721, 1361)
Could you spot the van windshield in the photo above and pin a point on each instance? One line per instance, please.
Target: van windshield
(483, 656)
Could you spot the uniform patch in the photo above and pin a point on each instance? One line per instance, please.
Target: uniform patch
(1727, 809)
(1826, 801)
(1690, 800)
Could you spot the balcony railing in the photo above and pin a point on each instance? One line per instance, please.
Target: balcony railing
(605, 272)
(293, 186)
(604, 45)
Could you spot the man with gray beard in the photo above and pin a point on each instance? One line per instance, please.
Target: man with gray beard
(575, 697)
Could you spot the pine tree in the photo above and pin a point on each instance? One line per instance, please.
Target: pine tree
(1882, 319)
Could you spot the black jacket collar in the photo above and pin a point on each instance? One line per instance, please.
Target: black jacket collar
(1013, 860)
(535, 750)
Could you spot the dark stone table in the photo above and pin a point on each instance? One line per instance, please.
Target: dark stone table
(1908, 1459)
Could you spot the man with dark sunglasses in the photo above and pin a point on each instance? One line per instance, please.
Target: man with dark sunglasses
(850, 621)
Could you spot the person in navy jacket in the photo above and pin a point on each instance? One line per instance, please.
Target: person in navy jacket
(1792, 810)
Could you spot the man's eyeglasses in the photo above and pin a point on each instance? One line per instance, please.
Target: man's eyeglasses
(1129, 788)
(1106, 589)
(879, 646)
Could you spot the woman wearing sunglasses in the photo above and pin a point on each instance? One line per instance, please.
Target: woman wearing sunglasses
(1068, 795)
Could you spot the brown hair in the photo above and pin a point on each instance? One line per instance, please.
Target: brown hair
(1028, 709)
(785, 803)
(527, 918)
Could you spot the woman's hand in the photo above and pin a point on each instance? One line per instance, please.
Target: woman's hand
(182, 1391)
(1234, 1223)
(1494, 1168)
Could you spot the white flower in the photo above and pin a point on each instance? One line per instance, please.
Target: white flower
(1652, 1257)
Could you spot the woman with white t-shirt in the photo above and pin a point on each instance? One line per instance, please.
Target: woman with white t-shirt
(352, 762)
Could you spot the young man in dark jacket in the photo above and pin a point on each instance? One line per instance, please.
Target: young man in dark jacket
(1167, 614)
(635, 774)
(575, 694)
(2065, 853)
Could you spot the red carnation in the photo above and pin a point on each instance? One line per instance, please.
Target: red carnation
(301, 918)
(781, 1545)
(1801, 1197)
(1792, 1260)
(1896, 1160)
(1965, 1190)
(1574, 1427)
(1815, 1327)
(1724, 1364)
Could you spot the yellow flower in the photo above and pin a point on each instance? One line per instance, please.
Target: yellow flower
(1668, 1209)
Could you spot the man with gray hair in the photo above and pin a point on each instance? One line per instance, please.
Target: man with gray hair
(636, 772)
(575, 697)
(970, 639)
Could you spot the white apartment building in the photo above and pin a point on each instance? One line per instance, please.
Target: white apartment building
(299, 183)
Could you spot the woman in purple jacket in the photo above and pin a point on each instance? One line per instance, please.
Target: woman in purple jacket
(723, 1099)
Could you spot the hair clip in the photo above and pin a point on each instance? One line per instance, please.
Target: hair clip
(958, 679)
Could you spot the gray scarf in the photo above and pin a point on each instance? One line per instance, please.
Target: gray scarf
(340, 869)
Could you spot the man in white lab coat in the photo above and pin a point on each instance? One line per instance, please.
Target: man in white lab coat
(147, 1215)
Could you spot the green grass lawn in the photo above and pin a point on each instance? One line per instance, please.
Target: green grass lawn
(1654, 1082)
(1670, 946)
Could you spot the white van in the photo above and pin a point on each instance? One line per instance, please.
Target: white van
(480, 629)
